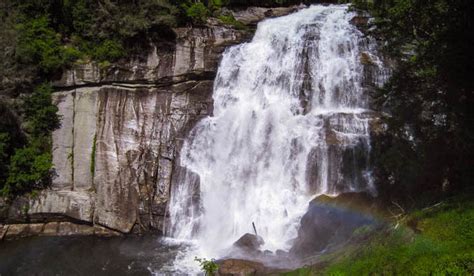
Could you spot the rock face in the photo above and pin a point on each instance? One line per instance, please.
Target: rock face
(122, 129)
(121, 132)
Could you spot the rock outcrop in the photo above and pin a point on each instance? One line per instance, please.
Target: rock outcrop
(22, 230)
(331, 221)
(122, 126)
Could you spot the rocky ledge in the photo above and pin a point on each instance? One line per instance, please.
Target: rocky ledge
(22, 230)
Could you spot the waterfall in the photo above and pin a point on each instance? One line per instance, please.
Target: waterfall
(291, 121)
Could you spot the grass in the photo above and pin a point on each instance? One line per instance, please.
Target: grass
(440, 241)
(305, 271)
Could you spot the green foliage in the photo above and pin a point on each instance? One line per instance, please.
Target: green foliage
(209, 267)
(40, 112)
(304, 271)
(30, 168)
(230, 20)
(39, 44)
(198, 12)
(427, 148)
(108, 50)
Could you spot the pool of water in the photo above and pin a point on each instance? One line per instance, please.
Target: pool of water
(145, 255)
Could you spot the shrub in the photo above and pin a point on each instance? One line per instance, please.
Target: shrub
(40, 114)
(39, 45)
(30, 168)
(198, 12)
(208, 266)
(108, 50)
(230, 20)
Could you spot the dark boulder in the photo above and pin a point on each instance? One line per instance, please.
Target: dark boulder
(331, 221)
(249, 242)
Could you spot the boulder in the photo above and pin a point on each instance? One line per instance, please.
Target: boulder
(240, 267)
(249, 242)
(330, 221)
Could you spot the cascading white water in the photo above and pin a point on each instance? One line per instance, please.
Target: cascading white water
(290, 121)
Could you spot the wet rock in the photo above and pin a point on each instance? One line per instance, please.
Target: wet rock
(50, 229)
(330, 221)
(35, 229)
(17, 231)
(281, 253)
(17, 211)
(14, 231)
(74, 204)
(349, 172)
(365, 59)
(377, 126)
(73, 229)
(3, 231)
(252, 15)
(249, 242)
(104, 232)
(240, 267)
(360, 21)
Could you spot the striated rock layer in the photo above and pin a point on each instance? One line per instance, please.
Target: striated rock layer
(122, 129)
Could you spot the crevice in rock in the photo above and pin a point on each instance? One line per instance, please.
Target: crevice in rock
(135, 84)
(73, 138)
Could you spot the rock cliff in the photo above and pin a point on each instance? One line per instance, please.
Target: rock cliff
(122, 126)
